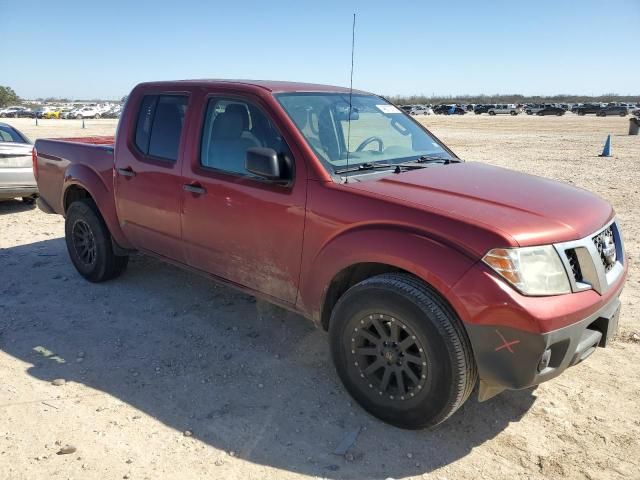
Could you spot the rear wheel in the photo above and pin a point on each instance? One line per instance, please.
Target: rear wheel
(401, 351)
(492, 113)
(89, 243)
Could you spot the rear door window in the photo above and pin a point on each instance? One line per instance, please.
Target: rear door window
(159, 127)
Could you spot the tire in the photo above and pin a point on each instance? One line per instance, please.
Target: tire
(513, 114)
(492, 113)
(89, 243)
(28, 200)
(433, 336)
(97, 115)
(78, 116)
(622, 114)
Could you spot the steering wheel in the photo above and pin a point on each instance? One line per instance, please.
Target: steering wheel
(371, 140)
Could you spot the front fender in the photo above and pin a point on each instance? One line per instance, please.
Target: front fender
(83, 176)
(439, 265)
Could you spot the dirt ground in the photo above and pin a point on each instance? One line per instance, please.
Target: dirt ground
(168, 375)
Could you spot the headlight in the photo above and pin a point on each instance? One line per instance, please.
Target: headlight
(532, 270)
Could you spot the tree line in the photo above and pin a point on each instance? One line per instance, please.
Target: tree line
(511, 98)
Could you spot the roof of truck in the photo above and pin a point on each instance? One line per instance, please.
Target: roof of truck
(274, 86)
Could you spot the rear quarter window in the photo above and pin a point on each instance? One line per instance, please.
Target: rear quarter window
(159, 125)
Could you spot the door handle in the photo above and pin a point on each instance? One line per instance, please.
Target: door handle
(195, 188)
(126, 172)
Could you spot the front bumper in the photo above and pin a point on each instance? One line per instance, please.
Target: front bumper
(511, 359)
(520, 341)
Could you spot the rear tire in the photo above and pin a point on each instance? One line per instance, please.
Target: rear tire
(401, 351)
(89, 243)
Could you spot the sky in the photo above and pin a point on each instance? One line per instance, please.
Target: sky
(90, 49)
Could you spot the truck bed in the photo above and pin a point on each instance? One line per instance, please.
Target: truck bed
(61, 160)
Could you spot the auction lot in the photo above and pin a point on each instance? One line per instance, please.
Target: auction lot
(168, 375)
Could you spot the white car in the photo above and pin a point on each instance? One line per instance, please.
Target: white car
(87, 112)
(16, 168)
(504, 109)
(420, 110)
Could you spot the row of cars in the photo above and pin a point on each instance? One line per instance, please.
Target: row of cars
(557, 109)
(78, 112)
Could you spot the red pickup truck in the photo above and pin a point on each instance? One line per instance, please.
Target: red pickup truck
(431, 274)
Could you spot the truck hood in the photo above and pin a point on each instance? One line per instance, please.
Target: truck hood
(530, 210)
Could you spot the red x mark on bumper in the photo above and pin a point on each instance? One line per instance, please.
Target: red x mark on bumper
(506, 344)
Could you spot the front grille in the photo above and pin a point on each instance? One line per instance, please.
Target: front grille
(574, 264)
(605, 244)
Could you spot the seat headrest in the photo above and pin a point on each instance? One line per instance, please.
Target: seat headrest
(242, 111)
(227, 126)
(300, 116)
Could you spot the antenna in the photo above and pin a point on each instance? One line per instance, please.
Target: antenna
(353, 44)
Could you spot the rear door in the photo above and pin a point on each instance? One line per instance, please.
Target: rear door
(235, 225)
(148, 184)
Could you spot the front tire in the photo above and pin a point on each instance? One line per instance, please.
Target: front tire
(401, 351)
(89, 243)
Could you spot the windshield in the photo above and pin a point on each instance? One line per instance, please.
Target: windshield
(379, 132)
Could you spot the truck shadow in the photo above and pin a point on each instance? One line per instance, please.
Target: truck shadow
(241, 375)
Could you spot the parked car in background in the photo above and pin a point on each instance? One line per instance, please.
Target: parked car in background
(480, 109)
(619, 110)
(504, 109)
(17, 112)
(113, 112)
(588, 108)
(89, 111)
(449, 110)
(10, 111)
(65, 111)
(533, 108)
(551, 110)
(52, 112)
(421, 110)
(16, 165)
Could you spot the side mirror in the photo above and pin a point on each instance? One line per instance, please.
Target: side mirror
(264, 162)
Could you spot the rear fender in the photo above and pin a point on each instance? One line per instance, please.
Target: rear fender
(83, 176)
(437, 264)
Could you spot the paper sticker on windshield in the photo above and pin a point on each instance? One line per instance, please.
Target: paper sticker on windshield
(388, 109)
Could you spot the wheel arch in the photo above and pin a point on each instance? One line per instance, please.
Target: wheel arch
(344, 263)
(82, 182)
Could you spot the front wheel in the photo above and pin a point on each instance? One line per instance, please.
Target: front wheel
(89, 243)
(492, 113)
(401, 351)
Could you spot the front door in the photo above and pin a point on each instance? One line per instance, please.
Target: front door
(148, 183)
(235, 225)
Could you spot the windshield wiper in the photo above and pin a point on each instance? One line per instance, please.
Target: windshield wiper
(433, 159)
(364, 166)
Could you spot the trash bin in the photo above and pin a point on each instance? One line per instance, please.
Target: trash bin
(634, 126)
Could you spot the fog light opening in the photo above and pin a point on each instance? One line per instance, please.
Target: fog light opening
(544, 360)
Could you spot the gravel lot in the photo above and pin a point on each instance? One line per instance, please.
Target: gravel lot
(167, 375)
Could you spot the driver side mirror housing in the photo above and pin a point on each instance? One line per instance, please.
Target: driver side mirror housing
(267, 164)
